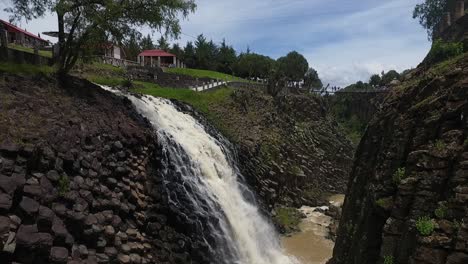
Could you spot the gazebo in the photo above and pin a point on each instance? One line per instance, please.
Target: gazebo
(159, 58)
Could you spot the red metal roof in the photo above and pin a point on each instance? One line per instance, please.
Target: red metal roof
(156, 53)
(17, 29)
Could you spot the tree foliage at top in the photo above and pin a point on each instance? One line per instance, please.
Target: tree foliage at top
(147, 43)
(81, 20)
(252, 65)
(163, 44)
(375, 80)
(388, 77)
(294, 66)
(430, 14)
(312, 80)
(132, 46)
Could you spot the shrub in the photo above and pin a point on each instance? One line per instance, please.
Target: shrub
(127, 83)
(388, 260)
(63, 185)
(385, 203)
(425, 226)
(441, 211)
(439, 145)
(399, 175)
(441, 51)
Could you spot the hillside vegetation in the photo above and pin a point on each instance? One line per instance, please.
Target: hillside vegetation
(204, 73)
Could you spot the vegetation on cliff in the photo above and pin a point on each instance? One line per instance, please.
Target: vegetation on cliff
(409, 177)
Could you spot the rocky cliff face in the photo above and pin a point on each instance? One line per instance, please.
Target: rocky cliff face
(408, 193)
(79, 179)
(290, 150)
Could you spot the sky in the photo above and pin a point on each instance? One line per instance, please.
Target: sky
(344, 40)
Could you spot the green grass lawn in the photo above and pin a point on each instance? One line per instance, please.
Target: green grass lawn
(204, 74)
(199, 100)
(28, 69)
(43, 53)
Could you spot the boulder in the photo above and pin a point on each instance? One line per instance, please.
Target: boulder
(30, 238)
(53, 176)
(5, 202)
(124, 259)
(58, 255)
(457, 258)
(4, 225)
(29, 206)
(9, 149)
(45, 219)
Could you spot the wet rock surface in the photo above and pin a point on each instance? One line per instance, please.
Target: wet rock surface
(407, 196)
(79, 180)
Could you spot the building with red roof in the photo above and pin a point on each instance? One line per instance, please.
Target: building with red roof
(22, 37)
(159, 58)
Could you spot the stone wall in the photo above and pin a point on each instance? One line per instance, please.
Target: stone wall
(290, 150)
(20, 57)
(407, 197)
(79, 179)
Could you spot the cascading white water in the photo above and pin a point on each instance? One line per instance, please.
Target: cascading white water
(206, 166)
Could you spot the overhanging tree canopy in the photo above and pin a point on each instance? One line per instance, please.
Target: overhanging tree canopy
(430, 14)
(80, 20)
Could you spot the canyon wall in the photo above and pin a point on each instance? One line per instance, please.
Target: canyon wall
(408, 191)
(79, 180)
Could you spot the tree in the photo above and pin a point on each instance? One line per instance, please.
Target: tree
(252, 65)
(312, 80)
(430, 14)
(147, 43)
(176, 50)
(132, 47)
(226, 58)
(163, 44)
(189, 55)
(79, 20)
(293, 66)
(375, 80)
(388, 77)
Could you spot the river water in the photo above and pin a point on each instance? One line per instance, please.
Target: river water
(310, 245)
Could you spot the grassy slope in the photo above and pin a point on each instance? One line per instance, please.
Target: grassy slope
(204, 73)
(43, 53)
(25, 68)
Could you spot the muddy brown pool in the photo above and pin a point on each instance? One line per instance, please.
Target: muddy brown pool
(310, 245)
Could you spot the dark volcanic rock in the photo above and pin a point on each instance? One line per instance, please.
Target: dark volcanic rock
(83, 177)
(407, 197)
(58, 255)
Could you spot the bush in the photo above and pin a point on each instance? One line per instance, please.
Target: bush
(127, 83)
(441, 211)
(425, 226)
(441, 51)
(439, 145)
(399, 175)
(388, 260)
(63, 185)
(385, 203)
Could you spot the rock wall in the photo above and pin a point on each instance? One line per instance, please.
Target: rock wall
(407, 197)
(361, 105)
(79, 180)
(290, 150)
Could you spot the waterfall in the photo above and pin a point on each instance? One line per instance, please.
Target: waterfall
(212, 184)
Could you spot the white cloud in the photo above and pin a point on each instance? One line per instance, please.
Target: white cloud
(346, 40)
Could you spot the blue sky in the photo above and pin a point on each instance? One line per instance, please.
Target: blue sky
(345, 40)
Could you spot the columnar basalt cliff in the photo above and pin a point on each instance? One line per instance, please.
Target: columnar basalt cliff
(289, 148)
(408, 193)
(79, 180)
